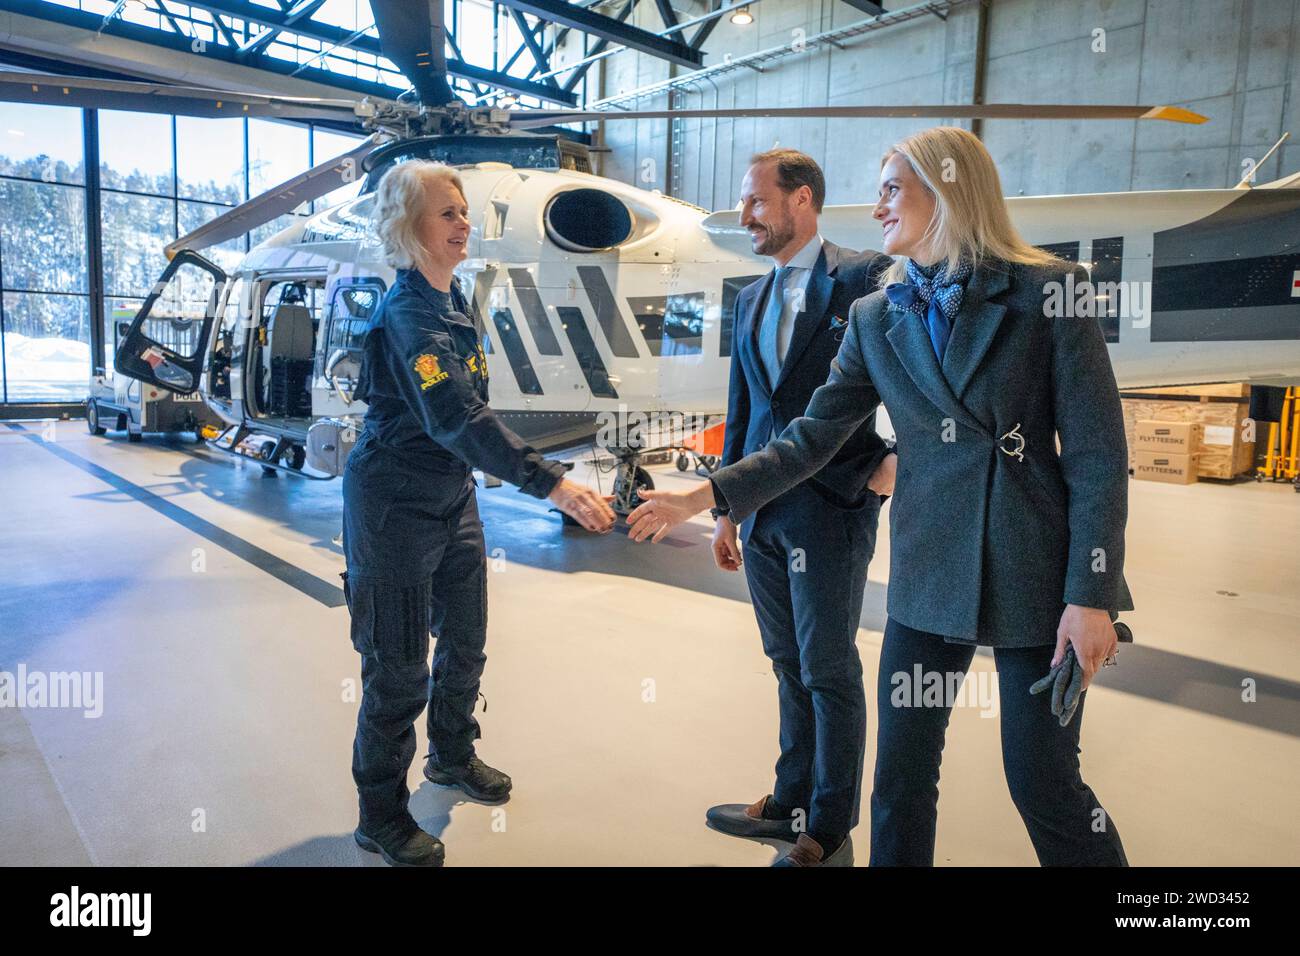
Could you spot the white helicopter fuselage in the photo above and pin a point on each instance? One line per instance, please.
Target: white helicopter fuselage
(646, 325)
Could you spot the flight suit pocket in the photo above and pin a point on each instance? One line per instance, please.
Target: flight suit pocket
(390, 620)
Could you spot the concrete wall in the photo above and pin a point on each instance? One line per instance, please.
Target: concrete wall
(1235, 61)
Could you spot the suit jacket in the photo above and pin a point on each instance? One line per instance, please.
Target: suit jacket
(756, 411)
(993, 530)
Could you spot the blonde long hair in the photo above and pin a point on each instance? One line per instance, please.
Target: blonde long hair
(970, 216)
(401, 203)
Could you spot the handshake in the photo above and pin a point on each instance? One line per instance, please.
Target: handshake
(664, 510)
(661, 511)
(583, 505)
(593, 512)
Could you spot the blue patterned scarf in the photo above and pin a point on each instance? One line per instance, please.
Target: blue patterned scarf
(930, 285)
(935, 301)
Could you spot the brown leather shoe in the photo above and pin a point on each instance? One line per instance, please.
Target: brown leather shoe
(736, 819)
(808, 852)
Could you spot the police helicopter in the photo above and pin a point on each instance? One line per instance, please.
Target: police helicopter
(598, 300)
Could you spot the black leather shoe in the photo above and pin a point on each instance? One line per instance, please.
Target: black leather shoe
(475, 778)
(418, 849)
(736, 819)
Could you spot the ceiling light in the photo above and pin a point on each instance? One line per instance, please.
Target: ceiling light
(742, 17)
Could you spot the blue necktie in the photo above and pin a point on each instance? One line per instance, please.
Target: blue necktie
(769, 331)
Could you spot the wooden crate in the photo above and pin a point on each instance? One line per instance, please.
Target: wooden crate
(1221, 410)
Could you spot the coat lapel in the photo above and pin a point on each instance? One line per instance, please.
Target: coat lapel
(816, 298)
(747, 321)
(976, 326)
(911, 342)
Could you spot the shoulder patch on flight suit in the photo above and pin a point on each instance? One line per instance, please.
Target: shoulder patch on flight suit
(429, 370)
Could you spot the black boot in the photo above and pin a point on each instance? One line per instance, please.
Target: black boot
(417, 849)
(475, 778)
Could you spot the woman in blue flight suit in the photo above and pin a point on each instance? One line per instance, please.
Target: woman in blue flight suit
(412, 536)
(996, 537)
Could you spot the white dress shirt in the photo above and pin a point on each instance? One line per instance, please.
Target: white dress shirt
(801, 265)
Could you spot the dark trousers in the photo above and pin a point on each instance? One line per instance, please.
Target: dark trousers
(410, 573)
(1066, 823)
(806, 563)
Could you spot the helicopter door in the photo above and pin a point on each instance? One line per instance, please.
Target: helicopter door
(352, 305)
(166, 342)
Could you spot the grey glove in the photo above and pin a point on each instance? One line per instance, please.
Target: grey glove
(1066, 682)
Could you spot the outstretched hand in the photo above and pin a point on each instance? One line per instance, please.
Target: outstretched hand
(664, 510)
(583, 505)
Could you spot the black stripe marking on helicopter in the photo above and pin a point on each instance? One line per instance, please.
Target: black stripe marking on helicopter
(516, 352)
(298, 579)
(608, 315)
(1069, 251)
(1275, 323)
(1107, 266)
(1198, 295)
(534, 312)
(593, 368)
(672, 324)
(481, 284)
(730, 293)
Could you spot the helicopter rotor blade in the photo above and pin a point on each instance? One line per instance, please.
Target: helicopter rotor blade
(146, 97)
(316, 182)
(1028, 111)
(412, 34)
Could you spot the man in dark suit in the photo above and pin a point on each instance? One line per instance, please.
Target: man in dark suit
(806, 552)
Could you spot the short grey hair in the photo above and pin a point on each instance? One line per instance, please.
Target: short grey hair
(399, 205)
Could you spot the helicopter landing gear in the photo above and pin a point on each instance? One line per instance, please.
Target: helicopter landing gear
(630, 479)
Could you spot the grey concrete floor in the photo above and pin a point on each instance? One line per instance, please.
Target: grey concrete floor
(626, 687)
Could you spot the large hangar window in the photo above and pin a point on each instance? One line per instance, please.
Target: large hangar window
(44, 276)
(152, 177)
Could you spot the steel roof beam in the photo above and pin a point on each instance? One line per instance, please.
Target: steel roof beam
(608, 28)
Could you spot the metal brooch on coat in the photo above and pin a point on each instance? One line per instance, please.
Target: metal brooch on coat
(1018, 451)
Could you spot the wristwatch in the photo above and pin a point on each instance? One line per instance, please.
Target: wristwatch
(721, 508)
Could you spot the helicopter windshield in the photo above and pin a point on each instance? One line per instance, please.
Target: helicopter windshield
(521, 152)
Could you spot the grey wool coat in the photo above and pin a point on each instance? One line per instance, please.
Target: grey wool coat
(993, 530)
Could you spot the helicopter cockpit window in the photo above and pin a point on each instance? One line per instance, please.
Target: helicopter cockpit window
(521, 152)
(176, 318)
(671, 325)
(352, 306)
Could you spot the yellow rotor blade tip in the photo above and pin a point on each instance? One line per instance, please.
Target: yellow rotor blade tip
(1174, 114)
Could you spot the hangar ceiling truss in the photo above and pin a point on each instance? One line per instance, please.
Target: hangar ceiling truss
(289, 39)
